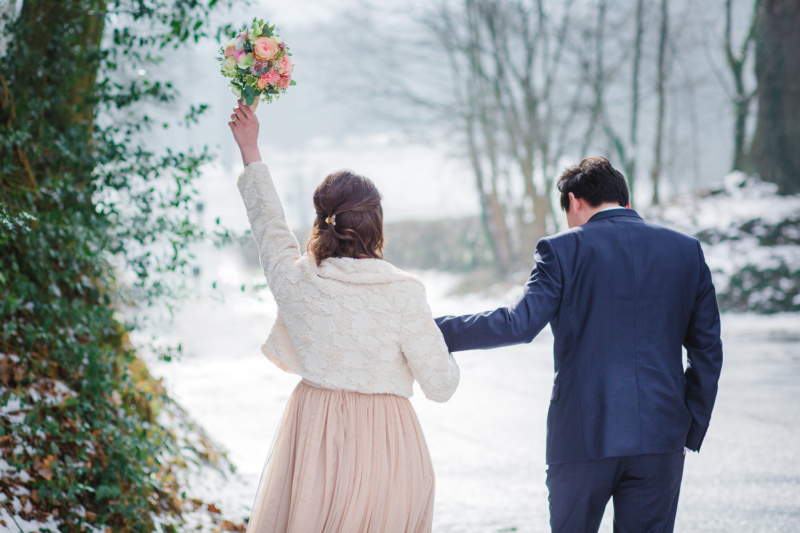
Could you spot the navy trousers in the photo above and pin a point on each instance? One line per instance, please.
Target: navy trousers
(644, 488)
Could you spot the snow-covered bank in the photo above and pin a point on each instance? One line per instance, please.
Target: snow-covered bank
(751, 239)
(197, 487)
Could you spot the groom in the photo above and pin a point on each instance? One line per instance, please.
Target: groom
(621, 296)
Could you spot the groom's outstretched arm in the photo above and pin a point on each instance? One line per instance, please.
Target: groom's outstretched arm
(518, 323)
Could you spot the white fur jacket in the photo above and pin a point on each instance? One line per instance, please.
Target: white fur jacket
(351, 324)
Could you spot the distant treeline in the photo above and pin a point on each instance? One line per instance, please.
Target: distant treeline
(452, 245)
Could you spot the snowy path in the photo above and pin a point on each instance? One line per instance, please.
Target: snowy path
(487, 443)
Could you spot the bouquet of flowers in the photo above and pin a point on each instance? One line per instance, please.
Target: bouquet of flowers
(258, 63)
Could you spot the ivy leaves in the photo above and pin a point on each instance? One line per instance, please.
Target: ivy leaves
(79, 415)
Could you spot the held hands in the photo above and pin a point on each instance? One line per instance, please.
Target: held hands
(244, 126)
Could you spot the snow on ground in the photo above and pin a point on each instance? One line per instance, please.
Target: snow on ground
(487, 443)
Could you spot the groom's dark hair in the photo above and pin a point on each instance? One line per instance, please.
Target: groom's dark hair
(595, 181)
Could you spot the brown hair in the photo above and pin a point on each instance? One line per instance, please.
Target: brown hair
(352, 203)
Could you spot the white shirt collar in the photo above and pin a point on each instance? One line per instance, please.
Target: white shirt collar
(612, 207)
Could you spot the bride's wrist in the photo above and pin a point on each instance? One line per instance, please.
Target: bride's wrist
(250, 155)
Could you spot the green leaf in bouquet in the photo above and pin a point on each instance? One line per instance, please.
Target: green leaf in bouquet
(249, 95)
(292, 83)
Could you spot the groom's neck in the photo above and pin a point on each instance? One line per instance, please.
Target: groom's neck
(608, 205)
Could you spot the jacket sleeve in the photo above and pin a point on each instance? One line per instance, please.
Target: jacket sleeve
(704, 349)
(432, 365)
(520, 322)
(277, 246)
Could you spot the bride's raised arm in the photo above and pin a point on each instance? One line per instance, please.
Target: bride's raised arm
(277, 246)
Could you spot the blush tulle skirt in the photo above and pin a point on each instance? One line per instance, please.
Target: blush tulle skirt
(345, 462)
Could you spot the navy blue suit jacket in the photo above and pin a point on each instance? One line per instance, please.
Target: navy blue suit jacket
(621, 296)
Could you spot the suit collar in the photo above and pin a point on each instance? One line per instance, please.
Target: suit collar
(614, 213)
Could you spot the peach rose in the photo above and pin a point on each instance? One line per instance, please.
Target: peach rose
(265, 48)
(284, 82)
(268, 78)
(229, 51)
(286, 65)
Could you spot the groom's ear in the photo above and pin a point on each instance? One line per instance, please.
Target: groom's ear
(573, 204)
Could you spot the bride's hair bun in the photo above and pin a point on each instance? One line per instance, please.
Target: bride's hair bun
(349, 220)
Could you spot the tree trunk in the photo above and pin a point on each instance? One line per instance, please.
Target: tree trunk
(50, 17)
(70, 115)
(492, 216)
(630, 159)
(661, 80)
(599, 73)
(776, 145)
(742, 97)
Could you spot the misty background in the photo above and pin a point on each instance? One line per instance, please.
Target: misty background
(349, 110)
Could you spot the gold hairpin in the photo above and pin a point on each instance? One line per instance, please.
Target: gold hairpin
(331, 220)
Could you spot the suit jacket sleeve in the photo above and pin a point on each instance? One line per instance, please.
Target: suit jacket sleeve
(704, 349)
(518, 323)
(277, 246)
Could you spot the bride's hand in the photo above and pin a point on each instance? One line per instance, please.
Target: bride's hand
(244, 126)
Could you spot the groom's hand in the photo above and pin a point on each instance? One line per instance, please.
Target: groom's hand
(244, 126)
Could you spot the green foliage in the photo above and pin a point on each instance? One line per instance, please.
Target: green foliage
(81, 200)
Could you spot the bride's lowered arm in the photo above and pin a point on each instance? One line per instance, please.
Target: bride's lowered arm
(433, 366)
(277, 245)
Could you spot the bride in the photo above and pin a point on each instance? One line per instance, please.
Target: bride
(349, 454)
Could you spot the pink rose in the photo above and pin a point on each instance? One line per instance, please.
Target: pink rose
(268, 78)
(265, 48)
(286, 66)
(229, 51)
(284, 82)
(237, 54)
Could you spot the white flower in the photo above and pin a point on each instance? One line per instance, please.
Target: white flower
(238, 42)
(232, 42)
(235, 90)
(229, 66)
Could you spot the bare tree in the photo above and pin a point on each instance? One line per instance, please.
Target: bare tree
(630, 158)
(511, 101)
(661, 92)
(742, 97)
(518, 126)
(526, 83)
